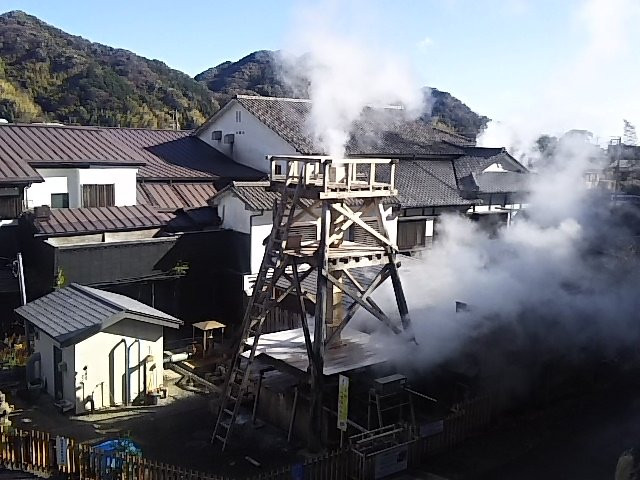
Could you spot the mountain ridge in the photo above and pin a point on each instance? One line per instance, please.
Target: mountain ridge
(47, 74)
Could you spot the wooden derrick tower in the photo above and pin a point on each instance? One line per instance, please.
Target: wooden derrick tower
(340, 196)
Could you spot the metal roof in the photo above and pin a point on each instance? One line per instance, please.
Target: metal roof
(379, 130)
(75, 312)
(172, 196)
(79, 221)
(160, 154)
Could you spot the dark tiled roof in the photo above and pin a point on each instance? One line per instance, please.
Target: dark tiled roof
(80, 221)
(472, 177)
(257, 196)
(160, 154)
(288, 118)
(75, 312)
(427, 183)
(172, 196)
(478, 159)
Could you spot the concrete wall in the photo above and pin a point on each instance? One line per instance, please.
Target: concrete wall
(100, 364)
(253, 141)
(70, 180)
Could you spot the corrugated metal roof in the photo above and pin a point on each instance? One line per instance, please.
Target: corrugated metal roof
(382, 130)
(160, 154)
(79, 221)
(175, 195)
(42, 145)
(75, 312)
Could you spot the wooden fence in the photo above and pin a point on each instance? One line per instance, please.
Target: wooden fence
(45, 455)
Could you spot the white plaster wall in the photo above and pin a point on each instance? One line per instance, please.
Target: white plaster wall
(253, 140)
(94, 353)
(233, 213)
(58, 180)
(44, 345)
(124, 180)
(70, 180)
(390, 221)
(260, 230)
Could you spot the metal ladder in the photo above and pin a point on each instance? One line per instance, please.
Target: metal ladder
(260, 303)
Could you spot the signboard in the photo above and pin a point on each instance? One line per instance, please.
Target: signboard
(392, 461)
(433, 428)
(343, 402)
(62, 444)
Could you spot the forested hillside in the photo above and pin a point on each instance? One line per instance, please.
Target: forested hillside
(49, 75)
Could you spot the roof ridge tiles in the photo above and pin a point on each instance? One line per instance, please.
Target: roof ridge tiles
(261, 97)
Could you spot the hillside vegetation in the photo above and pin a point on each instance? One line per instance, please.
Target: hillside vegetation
(47, 74)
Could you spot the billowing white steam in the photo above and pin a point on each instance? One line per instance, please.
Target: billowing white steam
(348, 72)
(556, 283)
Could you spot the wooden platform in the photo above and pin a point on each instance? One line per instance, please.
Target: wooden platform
(356, 351)
(348, 255)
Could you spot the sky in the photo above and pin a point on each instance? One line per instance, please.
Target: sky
(543, 64)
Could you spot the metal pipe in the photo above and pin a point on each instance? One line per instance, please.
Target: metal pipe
(126, 369)
(422, 395)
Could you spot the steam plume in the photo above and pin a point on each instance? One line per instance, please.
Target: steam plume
(346, 72)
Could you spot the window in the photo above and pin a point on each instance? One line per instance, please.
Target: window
(98, 195)
(411, 234)
(238, 116)
(59, 200)
(10, 207)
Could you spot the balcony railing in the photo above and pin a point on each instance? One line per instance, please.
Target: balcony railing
(335, 178)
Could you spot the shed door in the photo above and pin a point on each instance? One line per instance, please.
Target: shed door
(57, 375)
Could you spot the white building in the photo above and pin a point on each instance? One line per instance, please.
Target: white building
(437, 172)
(96, 349)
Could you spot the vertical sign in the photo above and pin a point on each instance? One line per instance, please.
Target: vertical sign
(61, 450)
(343, 402)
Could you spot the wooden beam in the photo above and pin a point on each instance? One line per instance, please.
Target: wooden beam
(303, 317)
(358, 298)
(351, 215)
(351, 311)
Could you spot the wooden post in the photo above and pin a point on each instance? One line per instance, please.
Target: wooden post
(316, 427)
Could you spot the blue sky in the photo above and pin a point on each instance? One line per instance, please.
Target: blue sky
(498, 56)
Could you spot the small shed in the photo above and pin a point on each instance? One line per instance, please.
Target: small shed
(97, 349)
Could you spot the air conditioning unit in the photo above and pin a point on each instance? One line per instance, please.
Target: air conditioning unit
(229, 138)
(216, 135)
(62, 366)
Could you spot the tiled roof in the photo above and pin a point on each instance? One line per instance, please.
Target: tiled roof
(160, 154)
(75, 312)
(426, 183)
(79, 221)
(288, 118)
(171, 196)
(472, 177)
(257, 196)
